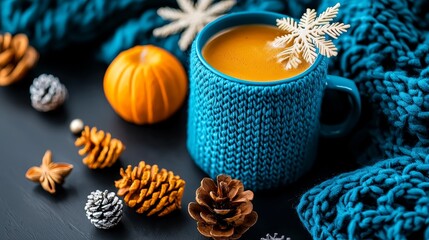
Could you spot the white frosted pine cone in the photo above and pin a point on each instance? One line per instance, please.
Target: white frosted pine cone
(104, 209)
(47, 93)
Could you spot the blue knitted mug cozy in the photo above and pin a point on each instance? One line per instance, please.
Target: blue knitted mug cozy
(265, 136)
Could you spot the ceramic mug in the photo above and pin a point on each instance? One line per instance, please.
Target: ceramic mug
(263, 133)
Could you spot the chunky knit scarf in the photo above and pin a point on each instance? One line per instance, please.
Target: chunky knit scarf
(386, 52)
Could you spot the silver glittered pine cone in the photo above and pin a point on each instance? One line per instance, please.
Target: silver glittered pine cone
(47, 93)
(104, 209)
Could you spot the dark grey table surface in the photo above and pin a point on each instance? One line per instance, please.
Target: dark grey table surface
(28, 212)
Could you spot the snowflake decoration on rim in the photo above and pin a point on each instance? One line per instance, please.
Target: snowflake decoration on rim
(190, 17)
(303, 37)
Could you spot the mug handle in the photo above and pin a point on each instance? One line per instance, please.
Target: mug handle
(348, 86)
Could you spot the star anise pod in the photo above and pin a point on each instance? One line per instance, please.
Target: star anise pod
(49, 173)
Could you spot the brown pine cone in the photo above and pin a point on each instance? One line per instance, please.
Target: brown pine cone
(102, 149)
(223, 211)
(16, 58)
(150, 191)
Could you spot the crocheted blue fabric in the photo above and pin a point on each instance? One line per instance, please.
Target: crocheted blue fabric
(121, 24)
(389, 200)
(386, 52)
(265, 136)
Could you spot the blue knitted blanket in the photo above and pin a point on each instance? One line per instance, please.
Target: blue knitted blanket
(386, 52)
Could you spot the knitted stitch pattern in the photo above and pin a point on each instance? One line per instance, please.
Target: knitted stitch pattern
(119, 24)
(263, 135)
(389, 200)
(387, 54)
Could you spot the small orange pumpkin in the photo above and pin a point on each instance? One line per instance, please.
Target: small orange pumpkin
(145, 84)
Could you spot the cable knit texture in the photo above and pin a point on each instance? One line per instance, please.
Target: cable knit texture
(386, 52)
(260, 135)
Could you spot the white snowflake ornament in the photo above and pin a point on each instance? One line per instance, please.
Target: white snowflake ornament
(303, 37)
(190, 17)
(275, 237)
